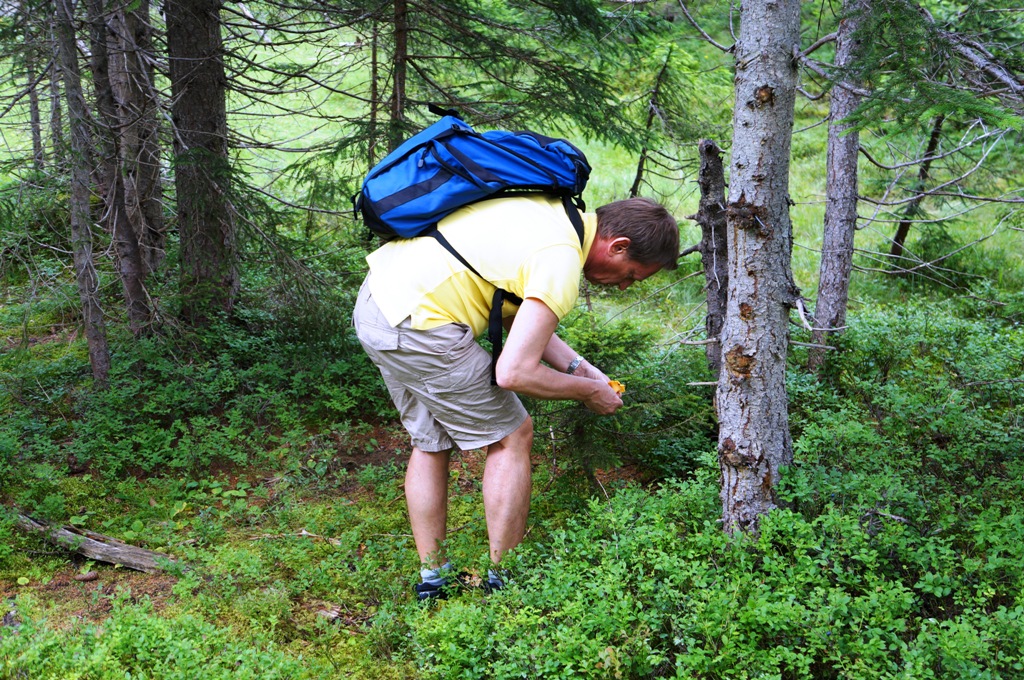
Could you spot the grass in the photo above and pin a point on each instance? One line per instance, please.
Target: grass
(272, 559)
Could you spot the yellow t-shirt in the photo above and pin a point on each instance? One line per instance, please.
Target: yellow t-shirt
(524, 244)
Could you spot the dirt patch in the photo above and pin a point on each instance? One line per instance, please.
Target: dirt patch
(632, 472)
(75, 601)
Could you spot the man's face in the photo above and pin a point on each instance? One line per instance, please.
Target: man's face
(609, 265)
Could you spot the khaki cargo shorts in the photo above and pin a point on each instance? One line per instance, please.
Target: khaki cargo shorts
(439, 380)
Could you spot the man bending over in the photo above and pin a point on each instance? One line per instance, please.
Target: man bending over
(420, 311)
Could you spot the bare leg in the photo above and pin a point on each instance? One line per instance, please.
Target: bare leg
(426, 494)
(507, 489)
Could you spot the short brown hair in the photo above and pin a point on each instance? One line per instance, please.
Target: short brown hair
(652, 231)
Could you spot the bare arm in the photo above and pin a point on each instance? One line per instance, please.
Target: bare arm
(531, 339)
(558, 355)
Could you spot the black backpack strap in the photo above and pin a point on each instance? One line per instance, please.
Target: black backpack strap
(494, 324)
(451, 249)
(573, 207)
(440, 111)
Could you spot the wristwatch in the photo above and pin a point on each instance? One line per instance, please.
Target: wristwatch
(573, 365)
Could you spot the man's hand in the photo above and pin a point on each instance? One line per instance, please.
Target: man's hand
(588, 370)
(605, 400)
(532, 339)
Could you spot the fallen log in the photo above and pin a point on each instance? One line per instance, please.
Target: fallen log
(98, 546)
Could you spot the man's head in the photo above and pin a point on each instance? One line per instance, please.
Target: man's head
(636, 237)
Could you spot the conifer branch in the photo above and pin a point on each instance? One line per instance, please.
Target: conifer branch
(934, 157)
(995, 69)
(979, 57)
(703, 33)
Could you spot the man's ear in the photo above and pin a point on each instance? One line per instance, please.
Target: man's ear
(619, 245)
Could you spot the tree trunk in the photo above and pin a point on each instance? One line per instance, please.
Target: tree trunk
(56, 116)
(754, 440)
(115, 214)
(652, 107)
(840, 191)
(713, 247)
(371, 146)
(398, 76)
(903, 229)
(35, 117)
(132, 78)
(206, 225)
(81, 171)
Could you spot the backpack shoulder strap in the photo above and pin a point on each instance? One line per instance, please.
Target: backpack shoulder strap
(494, 323)
(573, 208)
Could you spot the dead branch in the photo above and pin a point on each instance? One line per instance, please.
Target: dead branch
(801, 309)
(993, 382)
(935, 157)
(918, 194)
(805, 322)
(808, 95)
(932, 263)
(99, 546)
(703, 33)
(984, 62)
(972, 197)
(816, 68)
(812, 344)
(823, 40)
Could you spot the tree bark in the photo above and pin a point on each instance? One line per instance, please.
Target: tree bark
(398, 76)
(841, 186)
(371, 147)
(206, 223)
(81, 171)
(132, 78)
(56, 116)
(115, 213)
(754, 439)
(713, 246)
(652, 108)
(899, 241)
(35, 117)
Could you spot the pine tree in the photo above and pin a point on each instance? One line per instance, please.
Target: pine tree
(754, 440)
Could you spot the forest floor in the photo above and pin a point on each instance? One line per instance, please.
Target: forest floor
(364, 471)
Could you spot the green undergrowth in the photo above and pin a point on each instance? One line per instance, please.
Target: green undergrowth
(134, 642)
(240, 392)
(896, 553)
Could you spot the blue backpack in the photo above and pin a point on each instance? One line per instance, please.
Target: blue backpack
(450, 165)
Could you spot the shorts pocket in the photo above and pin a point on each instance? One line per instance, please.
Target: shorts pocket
(377, 337)
(447, 342)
